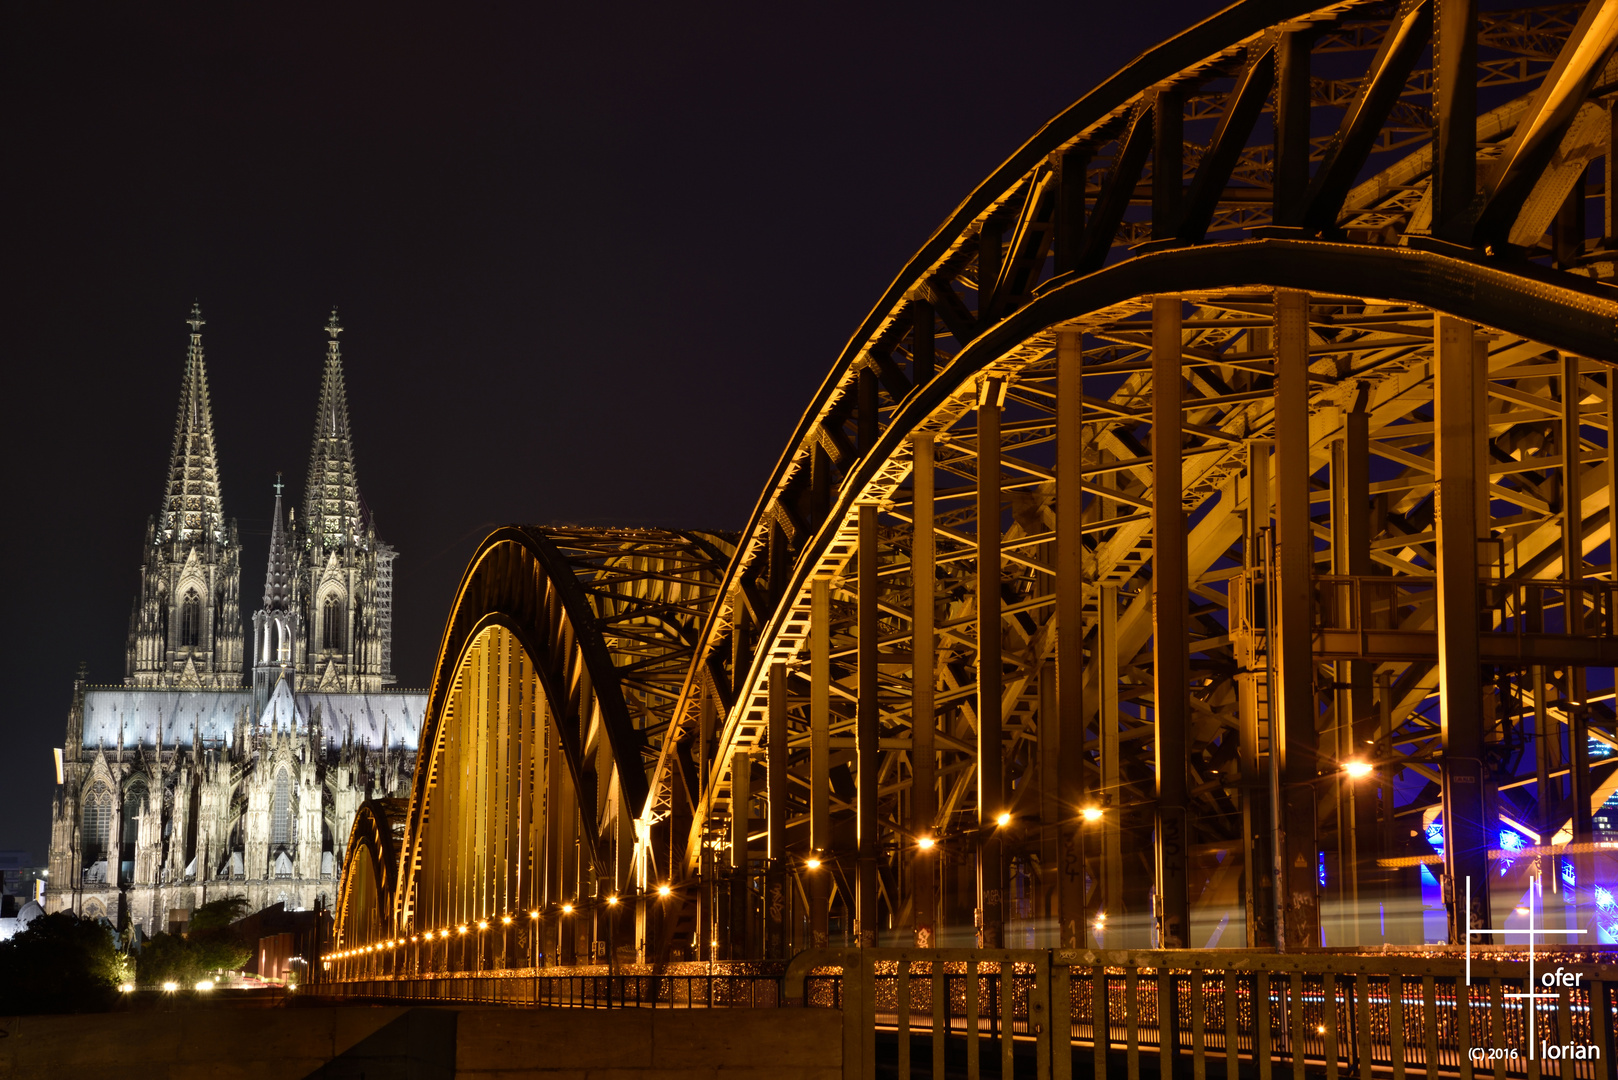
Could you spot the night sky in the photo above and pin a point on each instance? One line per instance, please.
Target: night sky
(592, 260)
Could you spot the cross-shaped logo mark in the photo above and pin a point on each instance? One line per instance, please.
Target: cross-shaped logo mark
(1531, 998)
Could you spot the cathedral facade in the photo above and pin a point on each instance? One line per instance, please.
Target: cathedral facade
(227, 765)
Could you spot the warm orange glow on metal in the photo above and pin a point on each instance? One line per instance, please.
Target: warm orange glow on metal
(1357, 770)
(1585, 848)
(813, 864)
(925, 843)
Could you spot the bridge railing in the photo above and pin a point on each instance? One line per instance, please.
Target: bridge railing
(1236, 1012)
(1230, 1013)
(589, 991)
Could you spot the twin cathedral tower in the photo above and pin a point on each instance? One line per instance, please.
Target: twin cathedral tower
(328, 592)
(229, 764)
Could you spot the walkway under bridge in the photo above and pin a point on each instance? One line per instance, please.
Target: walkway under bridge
(1204, 542)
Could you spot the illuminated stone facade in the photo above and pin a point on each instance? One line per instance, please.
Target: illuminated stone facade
(211, 773)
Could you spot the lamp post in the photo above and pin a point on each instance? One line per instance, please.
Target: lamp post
(1088, 816)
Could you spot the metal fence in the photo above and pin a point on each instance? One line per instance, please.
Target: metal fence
(1225, 1013)
(591, 991)
(1187, 1013)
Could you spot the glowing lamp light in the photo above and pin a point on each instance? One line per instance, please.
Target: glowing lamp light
(1101, 916)
(925, 843)
(533, 914)
(443, 933)
(1003, 820)
(612, 901)
(567, 909)
(1604, 899)
(1521, 909)
(1091, 813)
(1357, 770)
(1320, 1029)
(505, 920)
(205, 985)
(127, 988)
(813, 864)
(483, 924)
(170, 987)
(461, 928)
(663, 890)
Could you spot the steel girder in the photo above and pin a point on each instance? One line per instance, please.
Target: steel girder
(1347, 220)
(561, 659)
(1314, 299)
(371, 870)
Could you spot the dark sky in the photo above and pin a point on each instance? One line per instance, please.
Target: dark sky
(592, 259)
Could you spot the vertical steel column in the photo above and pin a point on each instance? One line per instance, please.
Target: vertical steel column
(1455, 101)
(867, 731)
(1354, 708)
(991, 765)
(1292, 104)
(1256, 710)
(923, 666)
(1168, 162)
(1578, 715)
(819, 754)
(741, 907)
(707, 888)
(1112, 834)
(1295, 746)
(775, 765)
(1460, 692)
(1170, 661)
(1068, 727)
(555, 780)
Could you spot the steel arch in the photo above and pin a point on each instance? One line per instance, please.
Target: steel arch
(996, 279)
(1177, 244)
(370, 878)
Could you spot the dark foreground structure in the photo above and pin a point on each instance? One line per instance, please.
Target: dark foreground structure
(1204, 544)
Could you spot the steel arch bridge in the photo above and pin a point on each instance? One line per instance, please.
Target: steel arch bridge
(1342, 276)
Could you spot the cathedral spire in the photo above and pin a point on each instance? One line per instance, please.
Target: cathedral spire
(278, 576)
(332, 497)
(191, 503)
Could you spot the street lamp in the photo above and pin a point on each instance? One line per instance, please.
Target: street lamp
(1003, 820)
(1357, 770)
(925, 843)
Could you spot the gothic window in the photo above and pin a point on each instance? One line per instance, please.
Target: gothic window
(331, 625)
(134, 807)
(281, 814)
(190, 619)
(97, 823)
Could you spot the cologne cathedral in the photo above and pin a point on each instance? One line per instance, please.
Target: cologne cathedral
(217, 770)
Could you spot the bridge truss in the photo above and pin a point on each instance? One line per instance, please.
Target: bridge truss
(1342, 276)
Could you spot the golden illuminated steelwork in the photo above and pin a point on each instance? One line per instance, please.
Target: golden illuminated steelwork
(1255, 434)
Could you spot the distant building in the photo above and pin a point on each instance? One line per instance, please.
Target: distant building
(216, 770)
